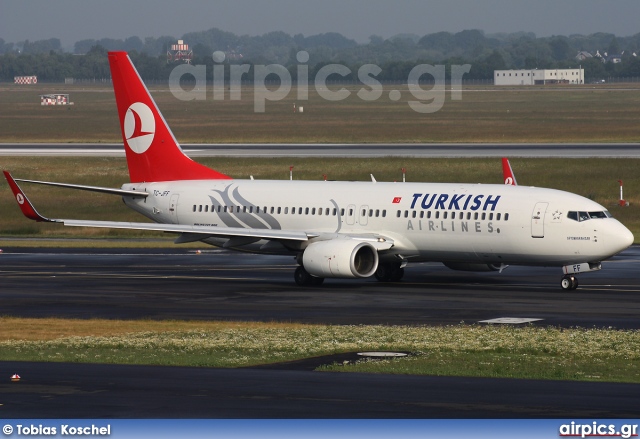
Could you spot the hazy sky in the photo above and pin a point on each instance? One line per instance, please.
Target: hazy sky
(72, 20)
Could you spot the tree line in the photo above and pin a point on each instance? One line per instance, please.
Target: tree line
(396, 55)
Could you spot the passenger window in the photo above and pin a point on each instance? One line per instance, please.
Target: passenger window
(421, 214)
(429, 215)
(406, 214)
(413, 215)
(326, 212)
(194, 207)
(475, 216)
(399, 213)
(384, 213)
(286, 210)
(279, 210)
(272, 209)
(437, 214)
(444, 215)
(306, 211)
(506, 217)
(484, 216)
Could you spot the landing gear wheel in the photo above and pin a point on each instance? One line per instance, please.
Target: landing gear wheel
(569, 283)
(574, 283)
(383, 273)
(304, 279)
(389, 273)
(301, 277)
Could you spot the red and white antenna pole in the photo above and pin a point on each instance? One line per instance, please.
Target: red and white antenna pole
(290, 172)
(404, 175)
(622, 202)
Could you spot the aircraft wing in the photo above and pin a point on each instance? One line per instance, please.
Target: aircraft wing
(201, 231)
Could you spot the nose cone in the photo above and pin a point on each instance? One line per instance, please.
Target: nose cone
(619, 238)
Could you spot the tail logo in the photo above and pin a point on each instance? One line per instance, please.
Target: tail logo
(139, 127)
(20, 198)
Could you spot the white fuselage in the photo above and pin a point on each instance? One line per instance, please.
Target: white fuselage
(472, 223)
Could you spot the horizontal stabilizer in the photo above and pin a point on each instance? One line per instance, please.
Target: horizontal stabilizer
(104, 190)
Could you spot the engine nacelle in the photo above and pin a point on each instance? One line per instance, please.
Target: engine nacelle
(466, 266)
(341, 258)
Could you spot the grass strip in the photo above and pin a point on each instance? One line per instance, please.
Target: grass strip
(461, 350)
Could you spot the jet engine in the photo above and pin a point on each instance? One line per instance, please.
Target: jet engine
(342, 258)
(466, 266)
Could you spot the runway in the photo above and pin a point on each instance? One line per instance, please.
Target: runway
(433, 150)
(219, 285)
(223, 285)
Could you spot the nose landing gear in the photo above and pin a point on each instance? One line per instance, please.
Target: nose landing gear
(569, 283)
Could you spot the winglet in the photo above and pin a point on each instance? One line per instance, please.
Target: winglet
(25, 205)
(507, 172)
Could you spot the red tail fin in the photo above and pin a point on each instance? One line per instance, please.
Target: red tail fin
(153, 154)
(507, 172)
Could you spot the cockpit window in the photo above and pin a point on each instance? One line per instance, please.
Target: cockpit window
(597, 215)
(584, 216)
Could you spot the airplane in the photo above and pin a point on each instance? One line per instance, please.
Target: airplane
(340, 229)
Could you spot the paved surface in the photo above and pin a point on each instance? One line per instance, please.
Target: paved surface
(222, 285)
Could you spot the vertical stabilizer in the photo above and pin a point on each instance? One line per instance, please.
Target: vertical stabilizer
(153, 154)
(507, 172)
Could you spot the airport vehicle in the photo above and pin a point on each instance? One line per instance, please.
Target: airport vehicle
(344, 229)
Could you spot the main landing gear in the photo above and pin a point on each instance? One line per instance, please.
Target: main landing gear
(569, 283)
(304, 279)
(389, 272)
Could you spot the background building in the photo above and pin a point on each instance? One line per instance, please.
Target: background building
(538, 77)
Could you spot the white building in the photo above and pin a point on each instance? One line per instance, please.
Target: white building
(538, 77)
